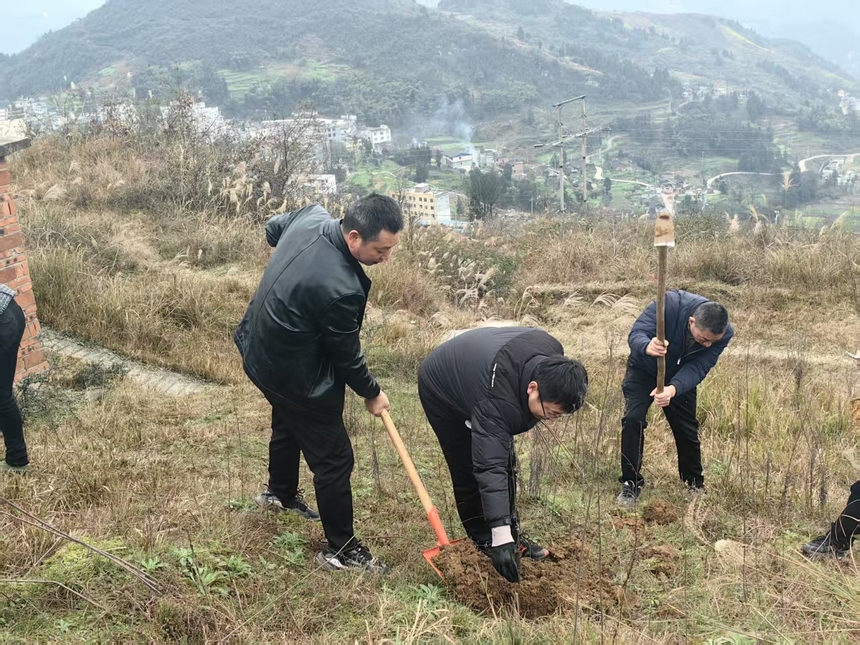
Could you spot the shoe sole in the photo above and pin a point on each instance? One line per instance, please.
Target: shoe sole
(326, 564)
(823, 555)
(277, 508)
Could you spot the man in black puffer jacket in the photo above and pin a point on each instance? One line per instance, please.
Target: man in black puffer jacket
(697, 332)
(478, 390)
(300, 346)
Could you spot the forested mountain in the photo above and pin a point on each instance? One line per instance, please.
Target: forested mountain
(386, 60)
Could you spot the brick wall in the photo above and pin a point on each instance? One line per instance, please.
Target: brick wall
(15, 273)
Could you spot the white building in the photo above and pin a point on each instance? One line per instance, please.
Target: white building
(462, 161)
(341, 130)
(323, 184)
(377, 136)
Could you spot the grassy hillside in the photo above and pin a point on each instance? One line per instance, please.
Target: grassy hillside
(165, 483)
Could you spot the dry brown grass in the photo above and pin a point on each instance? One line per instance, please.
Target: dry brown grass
(166, 482)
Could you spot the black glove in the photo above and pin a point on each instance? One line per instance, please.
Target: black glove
(506, 560)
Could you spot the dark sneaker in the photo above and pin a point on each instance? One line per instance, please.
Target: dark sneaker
(270, 502)
(355, 558)
(7, 468)
(531, 549)
(696, 488)
(629, 495)
(822, 547)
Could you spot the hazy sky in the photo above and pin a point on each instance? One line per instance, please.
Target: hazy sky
(29, 19)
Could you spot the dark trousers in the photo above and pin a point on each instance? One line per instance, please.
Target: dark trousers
(11, 330)
(455, 439)
(844, 529)
(328, 453)
(681, 415)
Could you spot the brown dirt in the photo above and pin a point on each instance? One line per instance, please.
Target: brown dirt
(660, 512)
(620, 520)
(545, 587)
(664, 559)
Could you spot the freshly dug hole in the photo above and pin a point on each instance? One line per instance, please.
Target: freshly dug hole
(545, 587)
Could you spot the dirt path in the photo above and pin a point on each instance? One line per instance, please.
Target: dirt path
(598, 174)
(165, 381)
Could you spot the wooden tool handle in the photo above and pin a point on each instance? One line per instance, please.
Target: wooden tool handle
(662, 255)
(415, 478)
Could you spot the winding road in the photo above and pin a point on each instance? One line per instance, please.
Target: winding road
(598, 170)
(803, 163)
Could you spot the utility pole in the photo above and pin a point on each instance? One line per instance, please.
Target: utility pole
(560, 158)
(584, 154)
(558, 106)
(560, 145)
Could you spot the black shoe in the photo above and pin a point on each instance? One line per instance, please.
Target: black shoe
(9, 468)
(531, 549)
(696, 488)
(270, 502)
(822, 547)
(356, 557)
(629, 495)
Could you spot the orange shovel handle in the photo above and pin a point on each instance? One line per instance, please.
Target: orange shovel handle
(415, 478)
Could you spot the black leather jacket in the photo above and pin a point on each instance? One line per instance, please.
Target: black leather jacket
(299, 338)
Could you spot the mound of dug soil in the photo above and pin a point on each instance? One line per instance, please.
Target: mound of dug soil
(545, 587)
(660, 512)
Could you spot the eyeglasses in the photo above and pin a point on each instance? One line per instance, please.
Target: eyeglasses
(548, 417)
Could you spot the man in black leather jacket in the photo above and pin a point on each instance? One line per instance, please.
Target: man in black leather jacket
(478, 390)
(300, 346)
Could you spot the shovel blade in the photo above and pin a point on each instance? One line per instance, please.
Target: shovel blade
(430, 554)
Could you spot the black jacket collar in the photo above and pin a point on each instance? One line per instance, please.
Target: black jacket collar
(526, 377)
(334, 233)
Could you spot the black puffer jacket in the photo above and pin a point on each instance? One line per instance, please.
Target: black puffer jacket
(483, 376)
(299, 338)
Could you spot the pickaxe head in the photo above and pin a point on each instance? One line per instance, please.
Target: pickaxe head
(664, 229)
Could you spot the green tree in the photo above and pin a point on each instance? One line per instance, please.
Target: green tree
(484, 190)
(755, 107)
(607, 186)
(422, 173)
(521, 35)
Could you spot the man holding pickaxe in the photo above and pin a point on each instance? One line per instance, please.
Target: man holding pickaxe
(673, 345)
(697, 332)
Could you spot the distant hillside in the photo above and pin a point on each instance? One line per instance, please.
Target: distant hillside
(691, 46)
(389, 59)
(831, 29)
